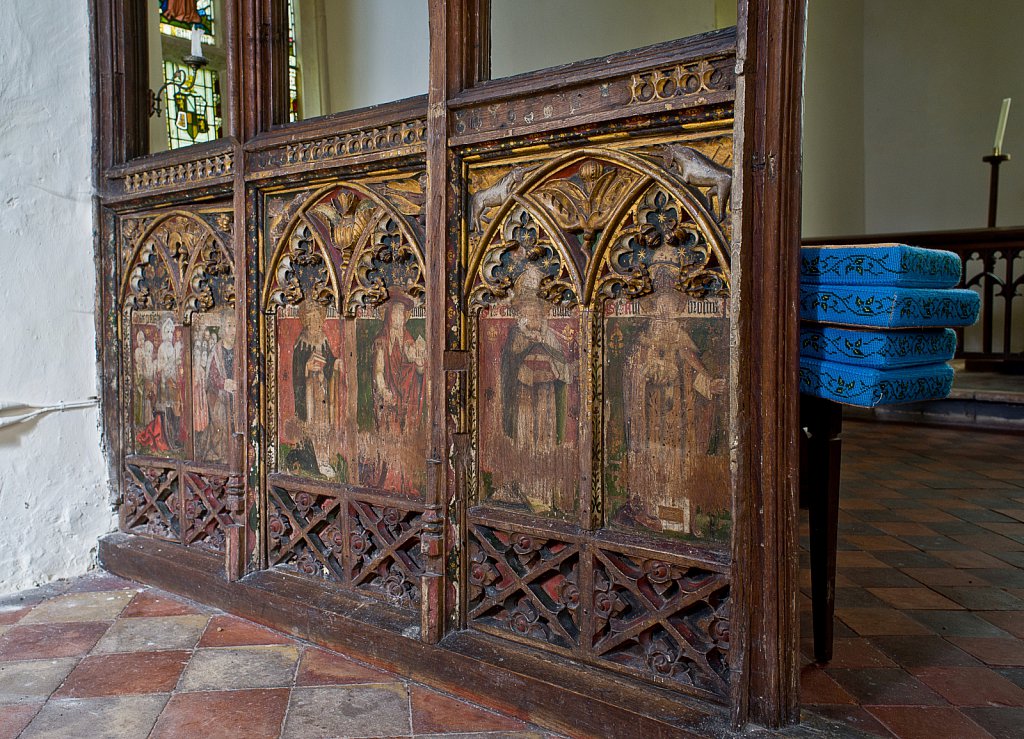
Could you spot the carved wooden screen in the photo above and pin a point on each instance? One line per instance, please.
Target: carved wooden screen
(345, 357)
(180, 370)
(593, 298)
(479, 370)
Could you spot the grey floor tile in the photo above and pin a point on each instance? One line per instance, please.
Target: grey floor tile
(151, 634)
(124, 717)
(234, 668)
(32, 680)
(348, 711)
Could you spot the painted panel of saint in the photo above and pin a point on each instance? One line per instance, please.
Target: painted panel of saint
(214, 389)
(160, 426)
(311, 393)
(391, 421)
(529, 406)
(666, 447)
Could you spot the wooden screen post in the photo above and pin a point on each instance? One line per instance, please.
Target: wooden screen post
(770, 55)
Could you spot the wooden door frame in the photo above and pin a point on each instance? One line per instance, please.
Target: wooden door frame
(770, 68)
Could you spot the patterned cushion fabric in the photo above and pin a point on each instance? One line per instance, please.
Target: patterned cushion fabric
(868, 387)
(879, 264)
(888, 307)
(877, 348)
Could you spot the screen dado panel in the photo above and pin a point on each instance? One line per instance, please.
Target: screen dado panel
(180, 366)
(344, 346)
(595, 291)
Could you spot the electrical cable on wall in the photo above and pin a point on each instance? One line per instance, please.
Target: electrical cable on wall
(40, 410)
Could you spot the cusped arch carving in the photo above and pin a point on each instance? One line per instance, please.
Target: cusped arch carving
(598, 212)
(178, 264)
(371, 249)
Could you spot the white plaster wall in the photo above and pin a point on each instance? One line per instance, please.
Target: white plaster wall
(901, 104)
(53, 496)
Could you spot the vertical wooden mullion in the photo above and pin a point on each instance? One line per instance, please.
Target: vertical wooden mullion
(588, 414)
(447, 75)
(769, 91)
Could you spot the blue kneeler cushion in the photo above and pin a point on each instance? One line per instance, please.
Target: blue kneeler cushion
(869, 387)
(888, 307)
(877, 348)
(896, 265)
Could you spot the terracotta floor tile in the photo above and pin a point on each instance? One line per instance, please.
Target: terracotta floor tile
(46, 641)
(235, 714)
(433, 713)
(905, 528)
(880, 621)
(970, 559)
(919, 722)
(12, 614)
(32, 681)
(124, 674)
(348, 711)
(851, 652)
(929, 515)
(230, 631)
(816, 687)
(878, 577)
(320, 667)
(957, 623)
(922, 651)
(236, 668)
(73, 607)
(873, 543)
(909, 559)
(947, 576)
(152, 634)
(152, 603)
(984, 598)
(997, 652)
(122, 717)
(914, 598)
(1002, 723)
(854, 717)
(15, 718)
(99, 580)
(881, 686)
(857, 559)
(1011, 622)
(971, 686)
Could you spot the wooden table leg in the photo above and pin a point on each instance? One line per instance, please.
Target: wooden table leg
(821, 453)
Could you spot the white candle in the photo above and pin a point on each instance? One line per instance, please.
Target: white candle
(197, 41)
(1001, 126)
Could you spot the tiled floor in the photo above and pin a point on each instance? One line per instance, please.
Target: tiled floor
(102, 657)
(929, 629)
(930, 586)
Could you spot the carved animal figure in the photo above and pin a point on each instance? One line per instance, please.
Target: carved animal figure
(492, 197)
(700, 171)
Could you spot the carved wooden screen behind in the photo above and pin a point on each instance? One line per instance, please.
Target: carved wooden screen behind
(591, 283)
(345, 422)
(180, 367)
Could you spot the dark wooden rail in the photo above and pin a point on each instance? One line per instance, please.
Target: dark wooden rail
(993, 266)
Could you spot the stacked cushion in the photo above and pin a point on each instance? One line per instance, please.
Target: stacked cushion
(876, 320)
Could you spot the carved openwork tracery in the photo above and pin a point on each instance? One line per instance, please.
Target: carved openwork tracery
(212, 502)
(151, 501)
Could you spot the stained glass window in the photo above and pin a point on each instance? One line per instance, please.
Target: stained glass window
(171, 26)
(293, 66)
(193, 113)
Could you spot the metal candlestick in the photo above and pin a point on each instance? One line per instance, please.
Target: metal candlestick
(993, 185)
